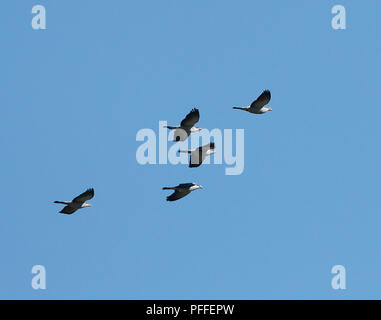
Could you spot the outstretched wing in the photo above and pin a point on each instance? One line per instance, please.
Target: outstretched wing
(196, 158)
(199, 155)
(180, 135)
(262, 100)
(209, 146)
(68, 210)
(87, 195)
(178, 195)
(191, 119)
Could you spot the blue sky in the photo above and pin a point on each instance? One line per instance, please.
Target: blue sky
(74, 96)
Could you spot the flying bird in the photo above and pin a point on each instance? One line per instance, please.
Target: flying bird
(78, 202)
(198, 155)
(182, 190)
(186, 126)
(258, 106)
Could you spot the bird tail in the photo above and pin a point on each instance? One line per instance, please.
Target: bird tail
(168, 188)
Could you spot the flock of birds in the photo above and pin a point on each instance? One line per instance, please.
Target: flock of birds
(197, 156)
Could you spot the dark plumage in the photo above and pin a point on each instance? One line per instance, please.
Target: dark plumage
(258, 106)
(199, 154)
(78, 202)
(182, 190)
(187, 126)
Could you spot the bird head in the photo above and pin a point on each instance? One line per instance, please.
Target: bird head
(200, 186)
(197, 128)
(87, 205)
(269, 109)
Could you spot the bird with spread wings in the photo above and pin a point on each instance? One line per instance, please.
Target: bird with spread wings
(182, 190)
(78, 202)
(198, 155)
(186, 127)
(258, 106)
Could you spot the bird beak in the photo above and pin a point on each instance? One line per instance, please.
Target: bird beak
(201, 186)
(270, 109)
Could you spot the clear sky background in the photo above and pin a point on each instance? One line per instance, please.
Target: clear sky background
(74, 96)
